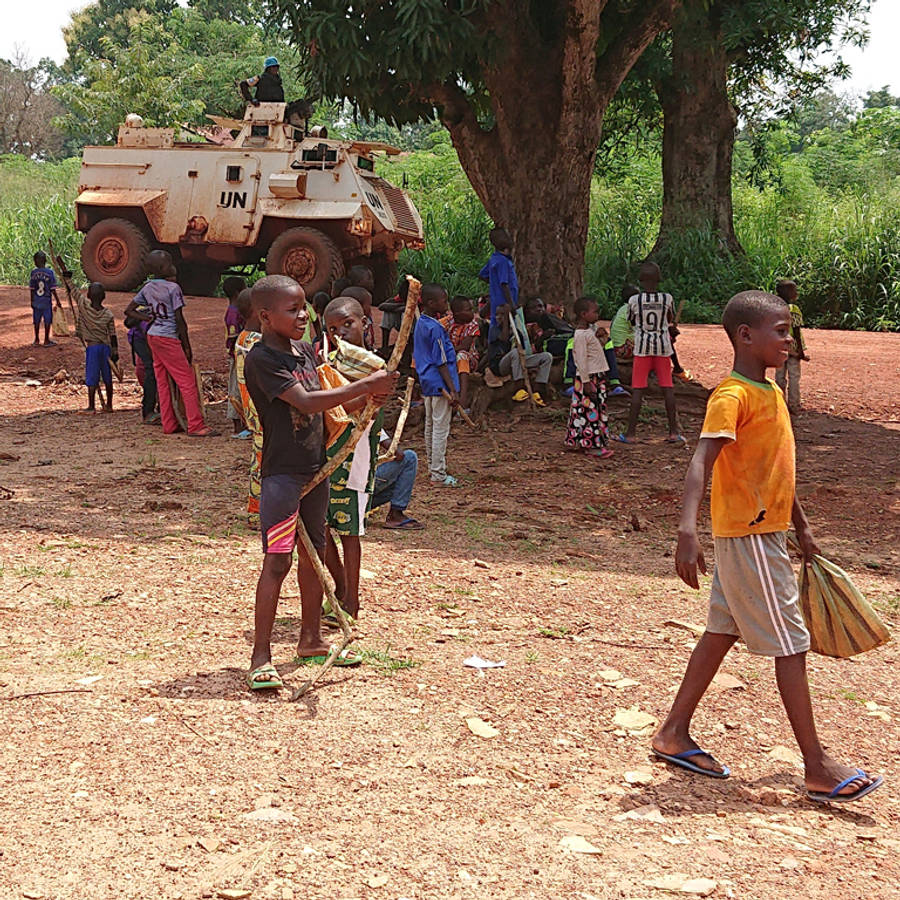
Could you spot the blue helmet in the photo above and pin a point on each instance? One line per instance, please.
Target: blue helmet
(270, 61)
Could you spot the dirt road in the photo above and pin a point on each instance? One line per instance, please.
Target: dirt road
(126, 579)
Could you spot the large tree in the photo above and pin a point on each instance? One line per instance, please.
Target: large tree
(726, 56)
(521, 85)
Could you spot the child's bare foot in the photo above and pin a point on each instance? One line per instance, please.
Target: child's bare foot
(827, 775)
(671, 744)
(305, 650)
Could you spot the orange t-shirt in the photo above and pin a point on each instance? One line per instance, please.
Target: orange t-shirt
(753, 475)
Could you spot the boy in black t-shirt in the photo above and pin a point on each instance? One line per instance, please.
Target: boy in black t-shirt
(280, 373)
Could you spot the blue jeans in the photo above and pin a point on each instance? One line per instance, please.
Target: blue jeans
(394, 481)
(613, 364)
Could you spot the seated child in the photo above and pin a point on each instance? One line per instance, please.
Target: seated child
(463, 331)
(246, 341)
(352, 482)
(587, 428)
(42, 284)
(234, 325)
(280, 373)
(435, 361)
(97, 328)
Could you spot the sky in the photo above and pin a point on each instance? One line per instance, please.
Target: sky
(35, 27)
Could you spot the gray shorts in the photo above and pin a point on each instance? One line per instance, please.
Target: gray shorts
(755, 596)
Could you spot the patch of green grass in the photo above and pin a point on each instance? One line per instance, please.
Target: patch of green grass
(463, 591)
(532, 657)
(449, 606)
(30, 571)
(850, 695)
(555, 633)
(64, 571)
(61, 602)
(476, 531)
(886, 604)
(385, 662)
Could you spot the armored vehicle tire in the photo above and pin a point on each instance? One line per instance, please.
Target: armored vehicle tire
(199, 280)
(114, 253)
(308, 256)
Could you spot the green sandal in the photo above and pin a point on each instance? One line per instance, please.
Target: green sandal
(346, 658)
(266, 676)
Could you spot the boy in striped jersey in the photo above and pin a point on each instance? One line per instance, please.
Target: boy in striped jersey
(747, 444)
(651, 312)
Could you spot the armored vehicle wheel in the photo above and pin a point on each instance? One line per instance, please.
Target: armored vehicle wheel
(199, 280)
(308, 256)
(113, 253)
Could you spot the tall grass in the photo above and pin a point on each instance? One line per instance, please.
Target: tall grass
(842, 247)
(36, 203)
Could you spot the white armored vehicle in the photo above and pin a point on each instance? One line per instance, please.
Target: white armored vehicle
(309, 206)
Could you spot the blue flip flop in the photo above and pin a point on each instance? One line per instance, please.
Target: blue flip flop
(683, 761)
(833, 796)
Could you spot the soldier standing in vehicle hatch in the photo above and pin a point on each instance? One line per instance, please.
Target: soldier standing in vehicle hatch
(268, 85)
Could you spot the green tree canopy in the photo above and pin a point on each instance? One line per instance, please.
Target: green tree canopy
(522, 86)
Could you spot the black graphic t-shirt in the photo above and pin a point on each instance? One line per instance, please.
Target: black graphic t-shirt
(293, 443)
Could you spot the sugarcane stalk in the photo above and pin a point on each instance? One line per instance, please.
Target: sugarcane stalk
(401, 422)
(412, 300)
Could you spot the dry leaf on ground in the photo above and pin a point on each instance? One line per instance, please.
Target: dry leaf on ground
(481, 728)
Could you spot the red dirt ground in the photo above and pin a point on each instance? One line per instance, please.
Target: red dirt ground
(126, 574)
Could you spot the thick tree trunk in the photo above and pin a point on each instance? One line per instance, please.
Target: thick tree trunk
(699, 124)
(532, 168)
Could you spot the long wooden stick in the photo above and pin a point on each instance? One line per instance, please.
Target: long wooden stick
(462, 413)
(412, 301)
(57, 261)
(521, 351)
(391, 451)
(368, 413)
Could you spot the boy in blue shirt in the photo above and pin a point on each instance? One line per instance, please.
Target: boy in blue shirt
(42, 284)
(435, 361)
(500, 274)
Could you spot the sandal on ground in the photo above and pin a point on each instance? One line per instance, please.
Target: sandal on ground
(407, 524)
(266, 676)
(683, 761)
(834, 795)
(446, 481)
(676, 439)
(206, 432)
(604, 453)
(346, 658)
(621, 439)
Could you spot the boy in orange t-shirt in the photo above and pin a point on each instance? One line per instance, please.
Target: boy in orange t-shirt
(748, 445)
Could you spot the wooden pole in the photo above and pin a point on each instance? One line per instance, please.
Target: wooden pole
(521, 351)
(401, 422)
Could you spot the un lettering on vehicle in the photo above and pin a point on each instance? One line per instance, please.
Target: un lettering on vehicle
(233, 199)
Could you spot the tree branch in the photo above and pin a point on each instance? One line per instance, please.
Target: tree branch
(638, 29)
